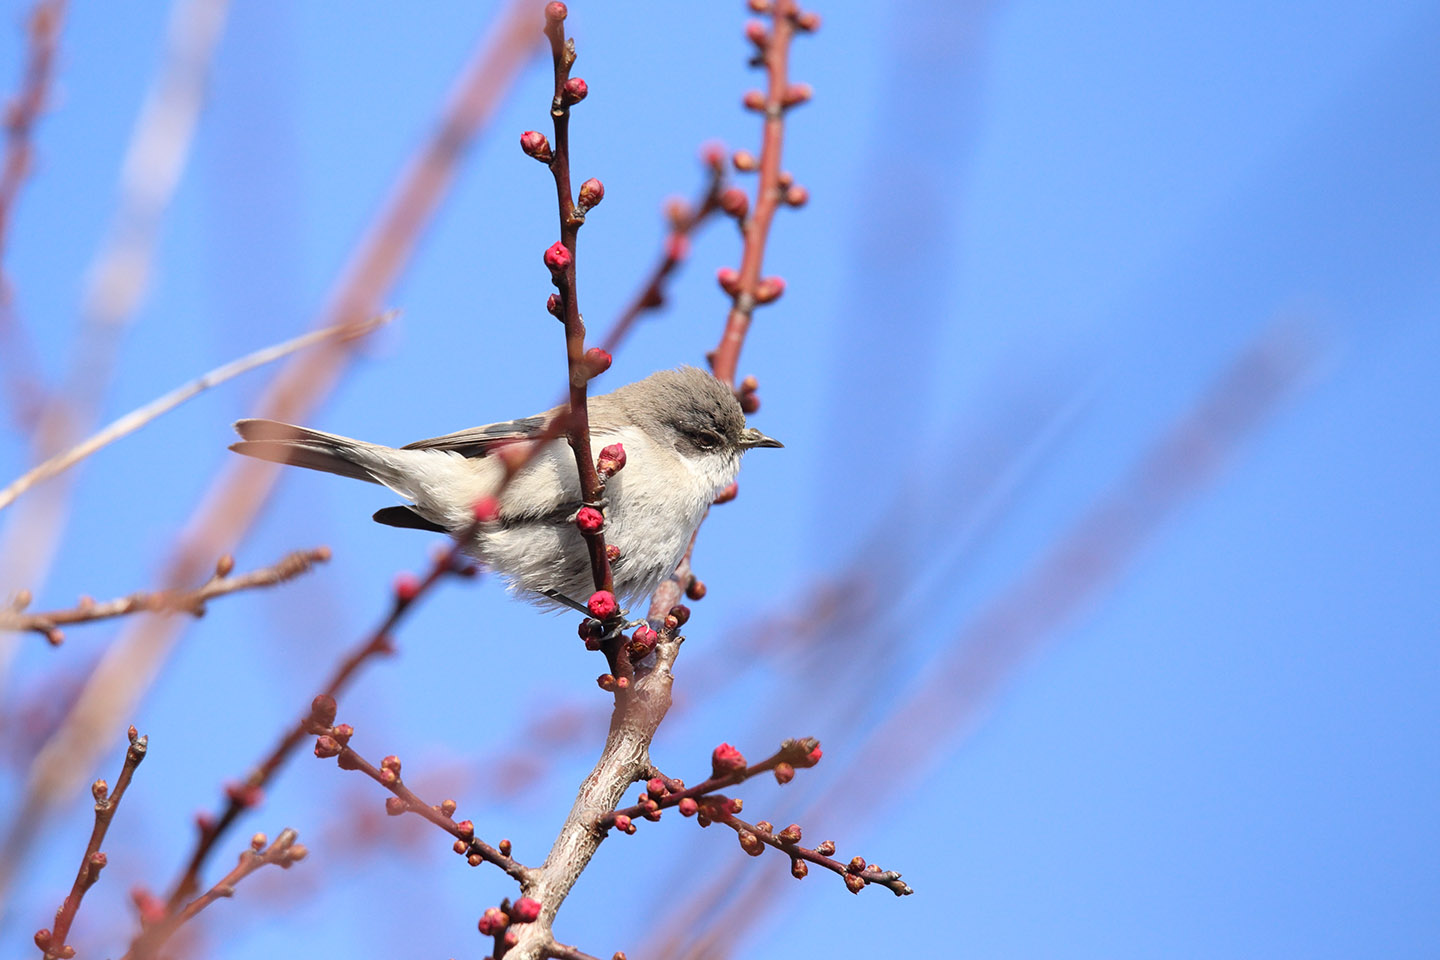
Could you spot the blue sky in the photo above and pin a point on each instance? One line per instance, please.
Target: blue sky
(1039, 234)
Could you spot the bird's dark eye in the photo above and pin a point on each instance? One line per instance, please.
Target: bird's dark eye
(701, 437)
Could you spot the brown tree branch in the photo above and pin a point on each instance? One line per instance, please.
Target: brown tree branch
(333, 740)
(52, 942)
(663, 793)
(283, 851)
(754, 837)
(22, 113)
(747, 288)
(684, 220)
(249, 792)
(161, 601)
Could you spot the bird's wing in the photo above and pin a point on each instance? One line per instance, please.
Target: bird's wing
(479, 441)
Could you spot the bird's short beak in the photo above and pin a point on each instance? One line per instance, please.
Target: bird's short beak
(754, 438)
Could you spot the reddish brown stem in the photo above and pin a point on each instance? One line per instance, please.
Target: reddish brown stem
(247, 794)
(775, 57)
(283, 851)
(193, 602)
(864, 874)
(677, 243)
(794, 752)
(52, 942)
(388, 777)
(577, 426)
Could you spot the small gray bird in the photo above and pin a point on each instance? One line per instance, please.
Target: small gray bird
(683, 432)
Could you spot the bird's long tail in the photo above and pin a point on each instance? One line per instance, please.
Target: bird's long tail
(301, 447)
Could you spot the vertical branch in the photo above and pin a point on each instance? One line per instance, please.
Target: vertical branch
(52, 942)
(565, 304)
(746, 288)
(21, 115)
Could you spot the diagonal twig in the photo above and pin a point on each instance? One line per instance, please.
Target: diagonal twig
(138, 418)
(193, 602)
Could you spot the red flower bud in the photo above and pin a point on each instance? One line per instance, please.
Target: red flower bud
(784, 773)
(744, 161)
(759, 6)
(596, 362)
(592, 191)
(407, 586)
(557, 257)
(605, 681)
(826, 848)
(612, 552)
(602, 605)
(799, 869)
(729, 279)
(322, 710)
(797, 196)
(494, 920)
(749, 403)
(525, 910)
(655, 786)
(612, 459)
(769, 289)
(244, 794)
(814, 756)
(854, 883)
(755, 32)
(754, 100)
(624, 824)
(798, 93)
(687, 807)
(728, 494)
(807, 21)
(391, 762)
(591, 629)
(575, 90)
(734, 202)
(556, 12)
(713, 156)
(696, 589)
(447, 807)
(466, 829)
(486, 509)
(751, 844)
(534, 144)
(589, 520)
(394, 806)
(552, 305)
(726, 760)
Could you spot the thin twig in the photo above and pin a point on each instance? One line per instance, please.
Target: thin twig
(792, 753)
(192, 602)
(683, 224)
(857, 873)
(249, 792)
(22, 113)
(283, 851)
(138, 418)
(52, 942)
(747, 289)
(333, 740)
